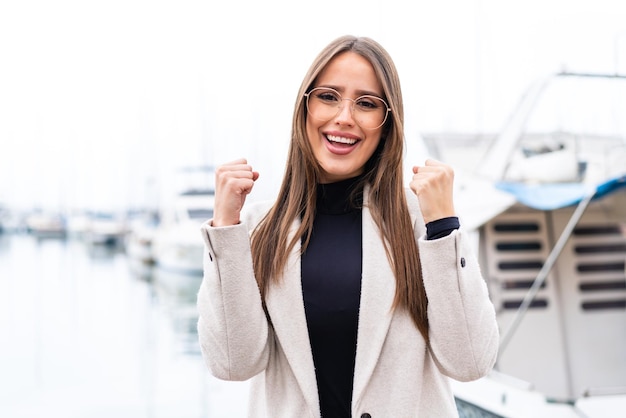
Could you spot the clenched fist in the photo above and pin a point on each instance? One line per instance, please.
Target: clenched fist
(233, 182)
(432, 183)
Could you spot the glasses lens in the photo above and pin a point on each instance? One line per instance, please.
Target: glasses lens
(323, 104)
(369, 112)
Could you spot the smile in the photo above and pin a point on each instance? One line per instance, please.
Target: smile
(341, 140)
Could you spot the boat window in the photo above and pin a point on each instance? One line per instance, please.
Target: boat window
(604, 305)
(520, 265)
(520, 284)
(600, 267)
(516, 227)
(602, 286)
(515, 304)
(519, 246)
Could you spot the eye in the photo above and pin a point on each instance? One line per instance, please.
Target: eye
(328, 96)
(368, 103)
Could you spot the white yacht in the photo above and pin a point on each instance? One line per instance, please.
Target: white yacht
(138, 243)
(105, 228)
(46, 224)
(551, 228)
(176, 243)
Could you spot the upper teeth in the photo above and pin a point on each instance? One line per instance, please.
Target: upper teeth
(341, 139)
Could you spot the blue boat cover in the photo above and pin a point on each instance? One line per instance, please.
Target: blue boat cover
(558, 195)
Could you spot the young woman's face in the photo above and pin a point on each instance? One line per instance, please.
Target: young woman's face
(341, 144)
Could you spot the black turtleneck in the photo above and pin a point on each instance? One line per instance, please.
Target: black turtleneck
(331, 287)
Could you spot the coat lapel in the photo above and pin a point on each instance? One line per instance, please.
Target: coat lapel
(285, 305)
(378, 289)
(286, 308)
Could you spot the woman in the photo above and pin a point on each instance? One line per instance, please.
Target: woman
(350, 295)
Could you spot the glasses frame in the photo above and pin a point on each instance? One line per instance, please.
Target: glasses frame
(308, 95)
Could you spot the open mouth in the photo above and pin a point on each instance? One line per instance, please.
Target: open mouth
(341, 140)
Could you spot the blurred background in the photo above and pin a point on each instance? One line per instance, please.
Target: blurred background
(101, 102)
(112, 115)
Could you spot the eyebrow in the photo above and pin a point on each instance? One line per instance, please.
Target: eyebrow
(358, 92)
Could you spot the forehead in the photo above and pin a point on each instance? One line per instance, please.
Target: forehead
(350, 72)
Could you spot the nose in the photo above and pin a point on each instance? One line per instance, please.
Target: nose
(345, 115)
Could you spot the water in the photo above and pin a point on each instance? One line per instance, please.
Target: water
(85, 333)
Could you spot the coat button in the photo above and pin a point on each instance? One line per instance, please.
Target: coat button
(366, 415)
(462, 261)
(210, 256)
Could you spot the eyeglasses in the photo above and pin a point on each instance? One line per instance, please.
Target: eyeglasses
(324, 103)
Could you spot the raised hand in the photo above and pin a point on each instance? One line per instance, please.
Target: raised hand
(233, 182)
(432, 183)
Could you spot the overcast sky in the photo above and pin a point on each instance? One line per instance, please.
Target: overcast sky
(101, 102)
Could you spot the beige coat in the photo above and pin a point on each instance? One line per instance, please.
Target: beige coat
(396, 374)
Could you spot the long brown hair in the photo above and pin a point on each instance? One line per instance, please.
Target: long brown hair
(272, 241)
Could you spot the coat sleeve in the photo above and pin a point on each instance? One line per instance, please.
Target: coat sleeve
(232, 326)
(464, 334)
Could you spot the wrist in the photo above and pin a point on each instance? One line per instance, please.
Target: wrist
(218, 222)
